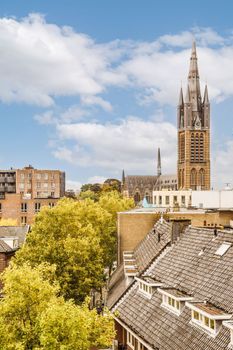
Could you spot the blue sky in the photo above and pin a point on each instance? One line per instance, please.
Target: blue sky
(91, 87)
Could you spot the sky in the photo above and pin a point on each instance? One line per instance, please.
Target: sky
(91, 87)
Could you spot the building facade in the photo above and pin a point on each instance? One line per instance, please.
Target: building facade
(24, 191)
(142, 186)
(193, 116)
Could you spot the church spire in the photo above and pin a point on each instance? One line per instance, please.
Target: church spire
(193, 80)
(187, 96)
(123, 178)
(206, 97)
(181, 98)
(159, 171)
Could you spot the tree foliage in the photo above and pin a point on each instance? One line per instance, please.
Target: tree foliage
(79, 238)
(8, 222)
(33, 316)
(66, 236)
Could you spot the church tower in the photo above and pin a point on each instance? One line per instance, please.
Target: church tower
(193, 118)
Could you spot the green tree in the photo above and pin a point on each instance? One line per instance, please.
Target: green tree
(68, 236)
(33, 316)
(113, 202)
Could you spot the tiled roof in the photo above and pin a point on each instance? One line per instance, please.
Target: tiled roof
(205, 276)
(156, 240)
(15, 231)
(144, 253)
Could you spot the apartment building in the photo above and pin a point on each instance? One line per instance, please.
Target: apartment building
(24, 191)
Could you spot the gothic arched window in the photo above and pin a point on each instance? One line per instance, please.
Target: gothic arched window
(193, 179)
(192, 148)
(197, 147)
(137, 197)
(202, 178)
(201, 147)
(183, 178)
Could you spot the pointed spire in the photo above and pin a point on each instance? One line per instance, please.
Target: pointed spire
(187, 96)
(206, 97)
(181, 98)
(193, 80)
(123, 178)
(159, 172)
(194, 50)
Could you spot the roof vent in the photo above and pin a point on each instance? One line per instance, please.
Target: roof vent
(223, 248)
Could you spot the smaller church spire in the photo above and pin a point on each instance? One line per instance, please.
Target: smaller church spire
(159, 171)
(181, 98)
(206, 97)
(187, 96)
(194, 50)
(123, 178)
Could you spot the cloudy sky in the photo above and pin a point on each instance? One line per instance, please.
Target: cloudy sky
(91, 87)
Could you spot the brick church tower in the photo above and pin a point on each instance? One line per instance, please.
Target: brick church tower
(193, 116)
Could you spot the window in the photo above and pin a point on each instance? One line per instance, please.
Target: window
(193, 179)
(23, 207)
(0, 207)
(130, 340)
(160, 200)
(53, 184)
(22, 176)
(38, 185)
(174, 199)
(51, 205)
(155, 199)
(202, 178)
(145, 289)
(204, 321)
(38, 176)
(223, 248)
(183, 200)
(21, 185)
(23, 220)
(167, 200)
(37, 207)
(46, 176)
(173, 299)
(46, 185)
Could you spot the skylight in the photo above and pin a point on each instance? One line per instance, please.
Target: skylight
(223, 248)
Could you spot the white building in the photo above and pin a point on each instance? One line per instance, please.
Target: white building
(170, 199)
(197, 199)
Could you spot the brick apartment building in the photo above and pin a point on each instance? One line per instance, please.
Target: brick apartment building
(24, 191)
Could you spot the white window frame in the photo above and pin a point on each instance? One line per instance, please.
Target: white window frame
(146, 288)
(130, 340)
(172, 303)
(201, 321)
(215, 318)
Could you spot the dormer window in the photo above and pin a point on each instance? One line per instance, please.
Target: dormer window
(173, 299)
(207, 316)
(147, 285)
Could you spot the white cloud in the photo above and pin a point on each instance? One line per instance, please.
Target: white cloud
(40, 61)
(98, 101)
(96, 179)
(73, 185)
(131, 144)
